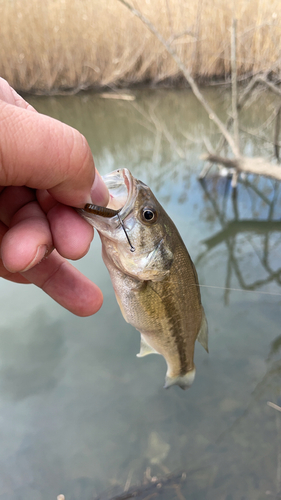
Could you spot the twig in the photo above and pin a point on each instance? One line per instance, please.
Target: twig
(195, 58)
(181, 34)
(278, 472)
(241, 102)
(234, 84)
(129, 479)
(248, 90)
(207, 167)
(153, 495)
(160, 127)
(273, 405)
(178, 492)
(258, 136)
(276, 133)
(271, 86)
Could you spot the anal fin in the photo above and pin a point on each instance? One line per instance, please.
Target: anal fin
(145, 349)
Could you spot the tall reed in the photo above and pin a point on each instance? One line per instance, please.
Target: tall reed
(57, 44)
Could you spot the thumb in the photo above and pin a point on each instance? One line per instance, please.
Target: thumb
(42, 153)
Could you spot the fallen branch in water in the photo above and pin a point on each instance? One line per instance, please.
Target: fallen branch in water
(257, 166)
(117, 96)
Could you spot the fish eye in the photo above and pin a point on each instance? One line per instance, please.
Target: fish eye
(149, 214)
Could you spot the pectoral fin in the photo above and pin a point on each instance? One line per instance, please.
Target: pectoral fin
(145, 349)
(202, 336)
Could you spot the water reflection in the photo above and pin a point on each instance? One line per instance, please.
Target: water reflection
(79, 414)
(261, 236)
(31, 363)
(251, 237)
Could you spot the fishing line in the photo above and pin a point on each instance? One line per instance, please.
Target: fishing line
(132, 248)
(237, 289)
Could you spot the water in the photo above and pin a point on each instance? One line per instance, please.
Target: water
(79, 413)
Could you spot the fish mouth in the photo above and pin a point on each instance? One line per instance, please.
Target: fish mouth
(122, 192)
(122, 195)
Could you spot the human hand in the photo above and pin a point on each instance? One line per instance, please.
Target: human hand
(46, 167)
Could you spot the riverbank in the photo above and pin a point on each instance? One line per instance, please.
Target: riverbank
(47, 47)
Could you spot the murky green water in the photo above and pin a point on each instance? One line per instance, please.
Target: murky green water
(79, 413)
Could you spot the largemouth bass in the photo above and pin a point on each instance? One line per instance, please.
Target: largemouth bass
(153, 276)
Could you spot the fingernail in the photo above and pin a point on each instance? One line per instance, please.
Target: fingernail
(99, 192)
(42, 251)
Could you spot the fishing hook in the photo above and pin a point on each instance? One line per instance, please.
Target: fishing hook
(108, 212)
(132, 248)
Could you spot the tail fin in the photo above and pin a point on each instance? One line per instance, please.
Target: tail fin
(184, 381)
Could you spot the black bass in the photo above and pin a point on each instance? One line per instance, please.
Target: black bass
(153, 276)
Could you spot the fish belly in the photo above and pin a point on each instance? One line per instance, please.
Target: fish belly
(168, 314)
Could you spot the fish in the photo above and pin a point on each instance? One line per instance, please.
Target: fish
(154, 279)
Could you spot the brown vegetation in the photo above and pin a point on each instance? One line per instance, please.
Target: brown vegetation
(58, 44)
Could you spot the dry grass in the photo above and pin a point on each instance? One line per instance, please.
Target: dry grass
(53, 44)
